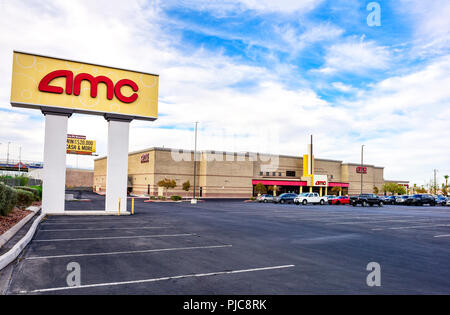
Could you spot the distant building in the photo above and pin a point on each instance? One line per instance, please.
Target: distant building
(75, 177)
(235, 175)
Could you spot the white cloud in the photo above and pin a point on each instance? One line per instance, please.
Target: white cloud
(313, 34)
(221, 8)
(430, 23)
(355, 56)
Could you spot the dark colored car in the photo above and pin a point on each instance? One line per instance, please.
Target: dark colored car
(389, 200)
(441, 200)
(342, 200)
(401, 200)
(420, 200)
(366, 200)
(285, 198)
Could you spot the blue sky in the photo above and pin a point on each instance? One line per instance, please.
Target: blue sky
(257, 75)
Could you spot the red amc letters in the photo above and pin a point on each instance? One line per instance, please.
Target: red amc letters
(73, 85)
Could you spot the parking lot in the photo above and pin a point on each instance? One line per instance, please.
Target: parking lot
(232, 247)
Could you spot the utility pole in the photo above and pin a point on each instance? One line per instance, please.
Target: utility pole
(195, 163)
(7, 154)
(20, 157)
(362, 167)
(435, 182)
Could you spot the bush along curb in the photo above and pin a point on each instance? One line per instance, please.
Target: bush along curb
(15, 251)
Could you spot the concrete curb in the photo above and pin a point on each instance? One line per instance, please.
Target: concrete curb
(14, 252)
(88, 212)
(5, 237)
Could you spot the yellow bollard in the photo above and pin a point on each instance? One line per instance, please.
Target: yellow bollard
(132, 206)
(119, 206)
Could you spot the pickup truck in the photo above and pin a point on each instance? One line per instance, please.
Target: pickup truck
(306, 198)
(366, 200)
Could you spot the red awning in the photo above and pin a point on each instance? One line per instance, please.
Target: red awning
(279, 182)
(338, 184)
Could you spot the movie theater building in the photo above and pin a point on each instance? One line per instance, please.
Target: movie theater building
(235, 175)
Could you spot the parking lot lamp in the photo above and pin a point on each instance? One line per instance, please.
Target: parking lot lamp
(362, 166)
(195, 162)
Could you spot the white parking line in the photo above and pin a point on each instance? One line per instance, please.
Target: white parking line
(129, 252)
(380, 221)
(443, 235)
(411, 227)
(96, 285)
(112, 228)
(110, 238)
(90, 222)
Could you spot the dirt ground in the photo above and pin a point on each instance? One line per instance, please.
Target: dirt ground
(12, 219)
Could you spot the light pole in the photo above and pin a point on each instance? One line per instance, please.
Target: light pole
(7, 154)
(362, 166)
(195, 163)
(20, 157)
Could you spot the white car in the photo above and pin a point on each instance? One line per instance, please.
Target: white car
(306, 198)
(448, 202)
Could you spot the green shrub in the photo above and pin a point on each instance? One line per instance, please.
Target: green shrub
(8, 199)
(161, 198)
(175, 198)
(39, 189)
(34, 191)
(24, 198)
(152, 198)
(252, 198)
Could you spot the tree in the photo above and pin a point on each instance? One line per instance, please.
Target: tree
(446, 184)
(393, 188)
(260, 189)
(421, 190)
(186, 186)
(167, 184)
(401, 190)
(335, 190)
(375, 190)
(273, 188)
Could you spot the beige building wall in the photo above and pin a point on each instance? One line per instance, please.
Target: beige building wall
(79, 178)
(229, 175)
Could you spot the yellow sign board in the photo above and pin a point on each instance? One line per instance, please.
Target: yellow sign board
(49, 83)
(80, 146)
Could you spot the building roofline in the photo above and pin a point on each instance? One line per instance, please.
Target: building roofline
(217, 151)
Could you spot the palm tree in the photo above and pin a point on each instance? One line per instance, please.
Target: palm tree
(446, 183)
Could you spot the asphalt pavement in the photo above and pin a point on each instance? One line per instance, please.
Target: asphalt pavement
(218, 247)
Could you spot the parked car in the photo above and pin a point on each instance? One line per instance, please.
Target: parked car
(441, 200)
(306, 198)
(420, 200)
(330, 198)
(389, 200)
(401, 200)
(342, 200)
(448, 202)
(366, 200)
(265, 198)
(285, 198)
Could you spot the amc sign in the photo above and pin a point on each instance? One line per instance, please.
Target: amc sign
(48, 83)
(321, 180)
(145, 158)
(361, 170)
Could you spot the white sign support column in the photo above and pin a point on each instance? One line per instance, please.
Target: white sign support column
(54, 177)
(117, 164)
